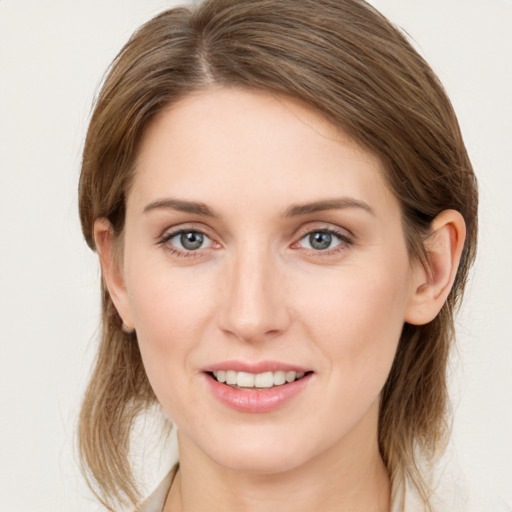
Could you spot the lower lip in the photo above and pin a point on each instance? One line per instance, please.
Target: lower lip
(257, 401)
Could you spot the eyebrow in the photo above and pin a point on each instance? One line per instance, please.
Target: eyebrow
(328, 204)
(182, 206)
(294, 210)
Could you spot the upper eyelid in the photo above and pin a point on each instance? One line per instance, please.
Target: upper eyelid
(343, 239)
(333, 232)
(165, 242)
(173, 234)
(298, 235)
(324, 226)
(172, 231)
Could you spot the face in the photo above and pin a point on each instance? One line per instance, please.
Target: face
(263, 248)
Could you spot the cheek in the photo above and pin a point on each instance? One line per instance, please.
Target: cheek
(169, 308)
(357, 325)
(169, 312)
(163, 298)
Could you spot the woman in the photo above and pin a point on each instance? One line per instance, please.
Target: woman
(285, 215)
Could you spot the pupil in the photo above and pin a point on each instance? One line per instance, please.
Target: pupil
(191, 240)
(320, 241)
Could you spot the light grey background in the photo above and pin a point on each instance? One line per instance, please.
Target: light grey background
(52, 56)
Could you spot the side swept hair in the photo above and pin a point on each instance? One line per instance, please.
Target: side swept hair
(347, 62)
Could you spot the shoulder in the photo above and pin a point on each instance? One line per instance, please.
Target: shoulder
(406, 498)
(444, 497)
(156, 500)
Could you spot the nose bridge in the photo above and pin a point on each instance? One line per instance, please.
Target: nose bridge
(255, 305)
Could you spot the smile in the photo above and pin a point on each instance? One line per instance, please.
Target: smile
(257, 388)
(265, 380)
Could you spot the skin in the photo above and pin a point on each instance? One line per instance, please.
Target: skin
(257, 290)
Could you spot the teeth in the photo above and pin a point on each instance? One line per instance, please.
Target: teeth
(279, 378)
(264, 380)
(245, 380)
(231, 377)
(260, 380)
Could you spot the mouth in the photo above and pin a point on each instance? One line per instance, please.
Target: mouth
(256, 381)
(257, 387)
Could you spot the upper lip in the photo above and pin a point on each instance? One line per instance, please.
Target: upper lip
(255, 367)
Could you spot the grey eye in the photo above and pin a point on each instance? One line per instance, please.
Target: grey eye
(321, 240)
(191, 240)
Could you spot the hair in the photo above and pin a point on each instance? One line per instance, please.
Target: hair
(346, 61)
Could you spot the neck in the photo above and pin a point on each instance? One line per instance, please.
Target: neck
(350, 476)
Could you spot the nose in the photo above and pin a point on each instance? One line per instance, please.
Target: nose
(255, 299)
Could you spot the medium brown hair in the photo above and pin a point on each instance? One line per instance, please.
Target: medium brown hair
(346, 61)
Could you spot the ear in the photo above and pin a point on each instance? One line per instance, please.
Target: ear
(433, 280)
(112, 271)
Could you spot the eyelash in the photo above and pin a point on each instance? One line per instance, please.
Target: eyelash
(167, 237)
(343, 238)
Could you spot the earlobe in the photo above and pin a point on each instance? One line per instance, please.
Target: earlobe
(112, 273)
(433, 280)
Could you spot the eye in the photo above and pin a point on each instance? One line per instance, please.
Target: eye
(322, 240)
(187, 240)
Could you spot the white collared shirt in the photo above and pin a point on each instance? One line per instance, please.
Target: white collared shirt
(404, 498)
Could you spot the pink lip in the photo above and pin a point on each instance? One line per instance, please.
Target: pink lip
(259, 367)
(257, 401)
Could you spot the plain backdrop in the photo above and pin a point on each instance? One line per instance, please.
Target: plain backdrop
(52, 57)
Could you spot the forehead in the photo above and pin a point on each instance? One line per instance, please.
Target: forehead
(232, 140)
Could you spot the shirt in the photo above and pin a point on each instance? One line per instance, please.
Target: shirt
(404, 498)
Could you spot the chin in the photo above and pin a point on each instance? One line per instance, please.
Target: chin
(259, 463)
(262, 453)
